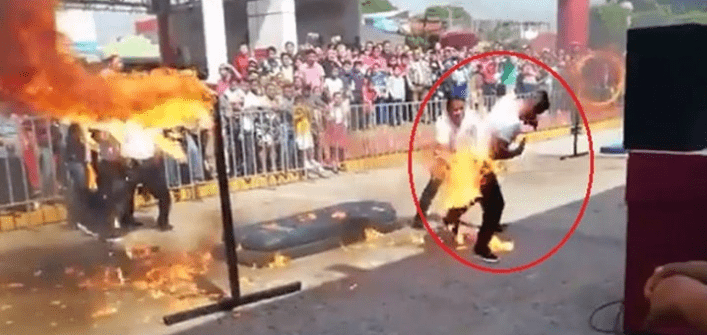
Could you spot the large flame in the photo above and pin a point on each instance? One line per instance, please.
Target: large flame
(38, 70)
(462, 182)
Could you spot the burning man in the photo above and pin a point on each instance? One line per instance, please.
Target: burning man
(146, 167)
(496, 133)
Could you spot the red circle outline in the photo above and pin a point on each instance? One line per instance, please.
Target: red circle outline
(569, 234)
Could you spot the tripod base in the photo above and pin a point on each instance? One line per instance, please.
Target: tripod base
(575, 155)
(231, 303)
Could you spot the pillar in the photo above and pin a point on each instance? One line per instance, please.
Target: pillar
(271, 23)
(162, 9)
(214, 37)
(572, 23)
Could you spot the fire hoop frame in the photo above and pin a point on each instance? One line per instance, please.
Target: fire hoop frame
(235, 300)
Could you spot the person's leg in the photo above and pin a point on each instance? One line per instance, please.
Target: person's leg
(157, 186)
(426, 198)
(492, 205)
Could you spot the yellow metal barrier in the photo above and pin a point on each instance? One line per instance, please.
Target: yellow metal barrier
(48, 214)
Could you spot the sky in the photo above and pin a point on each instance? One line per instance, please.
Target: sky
(528, 10)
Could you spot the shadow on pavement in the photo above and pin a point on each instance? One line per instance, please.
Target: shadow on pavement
(433, 294)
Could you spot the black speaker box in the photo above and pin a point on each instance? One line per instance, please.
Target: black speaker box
(666, 88)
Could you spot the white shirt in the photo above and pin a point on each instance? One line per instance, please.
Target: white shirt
(334, 85)
(137, 143)
(396, 87)
(451, 136)
(503, 120)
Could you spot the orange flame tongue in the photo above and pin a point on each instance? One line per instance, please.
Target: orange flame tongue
(37, 69)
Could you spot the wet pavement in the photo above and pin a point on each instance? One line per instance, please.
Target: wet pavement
(393, 284)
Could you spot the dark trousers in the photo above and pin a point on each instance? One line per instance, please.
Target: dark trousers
(151, 175)
(492, 205)
(111, 187)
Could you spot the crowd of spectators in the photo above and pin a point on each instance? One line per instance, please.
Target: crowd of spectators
(295, 107)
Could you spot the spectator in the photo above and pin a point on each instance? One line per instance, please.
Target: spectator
(290, 49)
(388, 51)
(235, 96)
(228, 74)
(330, 63)
(347, 78)
(396, 90)
(527, 80)
(271, 65)
(419, 76)
(379, 79)
(312, 72)
(298, 85)
(375, 58)
(287, 69)
(303, 119)
(358, 78)
(241, 60)
(337, 125)
(333, 84)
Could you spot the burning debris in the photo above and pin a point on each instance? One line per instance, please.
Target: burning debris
(371, 234)
(279, 261)
(103, 312)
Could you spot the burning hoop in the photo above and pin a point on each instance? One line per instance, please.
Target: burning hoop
(617, 68)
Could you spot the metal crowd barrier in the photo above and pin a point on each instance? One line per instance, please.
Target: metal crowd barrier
(258, 142)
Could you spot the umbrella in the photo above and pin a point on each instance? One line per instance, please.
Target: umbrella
(459, 39)
(133, 47)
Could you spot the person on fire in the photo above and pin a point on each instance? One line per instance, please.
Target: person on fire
(501, 127)
(145, 167)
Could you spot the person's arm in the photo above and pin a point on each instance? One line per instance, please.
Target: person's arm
(694, 269)
(678, 297)
(500, 149)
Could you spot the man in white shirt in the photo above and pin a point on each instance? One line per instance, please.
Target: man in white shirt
(498, 131)
(145, 167)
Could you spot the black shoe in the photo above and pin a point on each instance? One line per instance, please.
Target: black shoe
(132, 224)
(501, 228)
(165, 227)
(417, 223)
(487, 256)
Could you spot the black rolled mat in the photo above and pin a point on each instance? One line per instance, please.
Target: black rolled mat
(314, 231)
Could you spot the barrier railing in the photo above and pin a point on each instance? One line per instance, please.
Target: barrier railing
(258, 142)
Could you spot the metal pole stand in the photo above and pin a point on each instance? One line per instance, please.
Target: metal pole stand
(575, 131)
(236, 299)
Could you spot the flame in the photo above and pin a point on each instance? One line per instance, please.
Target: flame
(371, 234)
(279, 261)
(462, 181)
(498, 245)
(38, 69)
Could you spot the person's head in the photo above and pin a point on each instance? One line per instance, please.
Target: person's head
(374, 68)
(299, 61)
(348, 66)
(358, 65)
(288, 91)
(290, 48)
(399, 49)
(272, 53)
(335, 72)
(252, 65)
(298, 83)
(404, 59)
(226, 72)
(397, 71)
(311, 57)
(115, 63)
(244, 49)
(337, 98)
(393, 62)
(455, 110)
(342, 51)
(417, 54)
(286, 59)
(537, 104)
(369, 47)
(331, 54)
(233, 84)
(75, 131)
(306, 91)
(377, 51)
(271, 90)
(387, 47)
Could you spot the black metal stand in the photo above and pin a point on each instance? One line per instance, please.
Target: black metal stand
(576, 130)
(230, 242)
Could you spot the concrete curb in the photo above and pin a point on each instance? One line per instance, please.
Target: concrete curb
(57, 213)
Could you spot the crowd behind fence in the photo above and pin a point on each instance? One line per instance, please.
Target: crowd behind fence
(258, 142)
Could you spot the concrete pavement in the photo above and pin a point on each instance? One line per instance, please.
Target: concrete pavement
(384, 286)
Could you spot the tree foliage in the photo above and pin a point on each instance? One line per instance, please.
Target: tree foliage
(375, 6)
(609, 24)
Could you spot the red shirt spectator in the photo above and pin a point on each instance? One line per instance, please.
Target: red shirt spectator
(241, 61)
(489, 72)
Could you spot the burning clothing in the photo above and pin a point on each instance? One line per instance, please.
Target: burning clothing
(503, 121)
